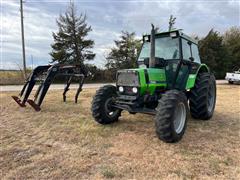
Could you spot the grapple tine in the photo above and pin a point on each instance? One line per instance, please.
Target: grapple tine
(66, 89)
(34, 105)
(18, 101)
(79, 88)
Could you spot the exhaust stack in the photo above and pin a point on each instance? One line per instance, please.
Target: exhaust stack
(152, 51)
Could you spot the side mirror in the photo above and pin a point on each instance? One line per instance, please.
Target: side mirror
(191, 59)
(146, 38)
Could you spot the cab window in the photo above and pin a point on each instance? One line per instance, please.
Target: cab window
(165, 47)
(195, 53)
(186, 49)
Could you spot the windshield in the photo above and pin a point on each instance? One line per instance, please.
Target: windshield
(165, 47)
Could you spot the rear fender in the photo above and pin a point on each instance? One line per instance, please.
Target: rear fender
(192, 77)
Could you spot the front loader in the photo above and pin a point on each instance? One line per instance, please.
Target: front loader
(170, 81)
(44, 75)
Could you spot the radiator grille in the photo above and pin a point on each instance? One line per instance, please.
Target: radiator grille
(127, 79)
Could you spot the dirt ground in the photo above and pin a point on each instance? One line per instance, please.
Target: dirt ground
(63, 142)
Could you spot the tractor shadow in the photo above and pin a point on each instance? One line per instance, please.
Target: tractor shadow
(222, 124)
(135, 123)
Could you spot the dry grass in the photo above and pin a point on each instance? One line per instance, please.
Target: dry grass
(11, 77)
(63, 142)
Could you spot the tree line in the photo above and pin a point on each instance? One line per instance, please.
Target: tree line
(221, 52)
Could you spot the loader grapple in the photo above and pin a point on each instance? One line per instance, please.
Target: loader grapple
(45, 76)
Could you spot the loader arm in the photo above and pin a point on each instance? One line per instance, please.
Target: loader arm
(45, 75)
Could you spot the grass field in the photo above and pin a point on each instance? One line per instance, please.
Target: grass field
(15, 77)
(11, 77)
(63, 142)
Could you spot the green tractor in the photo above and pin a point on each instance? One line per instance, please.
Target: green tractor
(169, 82)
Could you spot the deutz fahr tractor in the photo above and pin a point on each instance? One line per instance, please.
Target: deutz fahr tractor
(170, 82)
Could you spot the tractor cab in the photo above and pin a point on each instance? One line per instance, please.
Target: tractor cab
(174, 52)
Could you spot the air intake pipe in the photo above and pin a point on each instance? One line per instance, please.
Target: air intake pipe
(152, 61)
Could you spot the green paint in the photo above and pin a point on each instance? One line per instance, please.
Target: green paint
(203, 66)
(143, 83)
(191, 81)
(192, 77)
(156, 77)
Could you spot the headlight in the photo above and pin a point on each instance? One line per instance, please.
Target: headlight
(134, 90)
(121, 89)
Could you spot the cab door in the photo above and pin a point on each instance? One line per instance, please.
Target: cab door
(188, 62)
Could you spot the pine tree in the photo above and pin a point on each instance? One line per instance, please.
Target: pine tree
(70, 43)
(124, 55)
(214, 53)
(231, 40)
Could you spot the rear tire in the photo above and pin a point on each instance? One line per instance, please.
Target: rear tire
(202, 97)
(171, 117)
(102, 111)
(230, 82)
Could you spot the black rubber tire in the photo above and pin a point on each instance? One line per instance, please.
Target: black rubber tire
(230, 82)
(99, 111)
(164, 118)
(199, 95)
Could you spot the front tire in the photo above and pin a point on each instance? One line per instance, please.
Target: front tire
(102, 109)
(171, 117)
(230, 82)
(202, 98)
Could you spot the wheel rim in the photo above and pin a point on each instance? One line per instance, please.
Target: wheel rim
(109, 109)
(211, 97)
(179, 118)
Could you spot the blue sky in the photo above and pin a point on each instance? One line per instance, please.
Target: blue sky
(107, 18)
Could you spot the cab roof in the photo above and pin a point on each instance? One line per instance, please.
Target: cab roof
(179, 33)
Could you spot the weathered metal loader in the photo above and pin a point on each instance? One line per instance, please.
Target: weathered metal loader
(45, 76)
